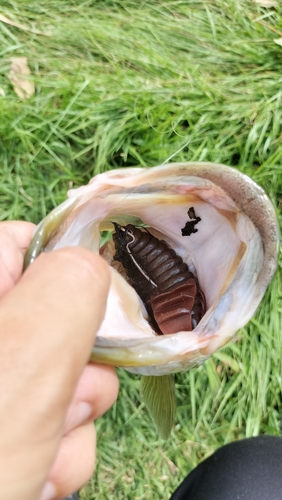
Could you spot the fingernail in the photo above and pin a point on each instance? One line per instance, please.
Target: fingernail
(77, 415)
(48, 492)
(82, 413)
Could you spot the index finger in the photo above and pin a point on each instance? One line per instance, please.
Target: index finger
(15, 237)
(20, 231)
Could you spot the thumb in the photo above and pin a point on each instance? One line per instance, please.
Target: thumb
(48, 323)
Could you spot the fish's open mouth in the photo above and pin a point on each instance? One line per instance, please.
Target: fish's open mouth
(217, 220)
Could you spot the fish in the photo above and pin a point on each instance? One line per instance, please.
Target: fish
(222, 229)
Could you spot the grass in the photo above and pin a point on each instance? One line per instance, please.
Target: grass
(122, 83)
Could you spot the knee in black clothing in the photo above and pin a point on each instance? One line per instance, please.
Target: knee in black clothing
(250, 469)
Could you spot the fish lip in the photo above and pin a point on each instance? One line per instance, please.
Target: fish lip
(257, 207)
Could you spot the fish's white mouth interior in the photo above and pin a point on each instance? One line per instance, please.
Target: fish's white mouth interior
(212, 253)
(215, 252)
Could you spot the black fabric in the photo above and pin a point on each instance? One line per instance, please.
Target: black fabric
(250, 469)
(74, 496)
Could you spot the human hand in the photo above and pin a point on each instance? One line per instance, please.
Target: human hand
(48, 398)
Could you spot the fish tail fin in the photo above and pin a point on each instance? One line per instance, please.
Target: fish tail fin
(158, 394)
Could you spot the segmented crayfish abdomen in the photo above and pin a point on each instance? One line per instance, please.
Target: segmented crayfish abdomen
(169, 290)
(173, 309)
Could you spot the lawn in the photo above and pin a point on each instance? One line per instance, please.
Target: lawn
(129, 83)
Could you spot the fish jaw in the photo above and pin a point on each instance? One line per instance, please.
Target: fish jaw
(237, 220)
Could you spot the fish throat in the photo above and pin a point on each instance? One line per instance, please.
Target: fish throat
(168, 289)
